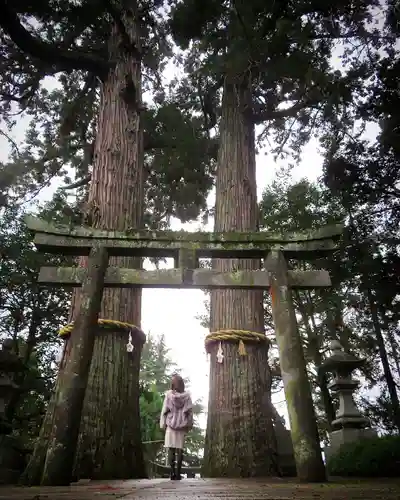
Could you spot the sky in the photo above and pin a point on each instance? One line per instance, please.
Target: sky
(173, 313)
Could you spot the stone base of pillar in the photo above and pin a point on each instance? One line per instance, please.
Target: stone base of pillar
(343, 436)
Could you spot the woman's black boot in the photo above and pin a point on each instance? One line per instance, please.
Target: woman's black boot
(171, 459)
(179, 465)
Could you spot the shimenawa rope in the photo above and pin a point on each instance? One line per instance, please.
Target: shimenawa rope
(240, 336)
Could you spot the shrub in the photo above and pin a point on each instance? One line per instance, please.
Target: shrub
(374, 457)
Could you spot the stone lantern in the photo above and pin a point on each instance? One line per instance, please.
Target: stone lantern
(349, 424)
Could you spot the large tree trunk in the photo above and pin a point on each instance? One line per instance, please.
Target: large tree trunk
(240, 439)
(110, 443)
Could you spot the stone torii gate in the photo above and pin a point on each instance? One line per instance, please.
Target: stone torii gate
(186, 248)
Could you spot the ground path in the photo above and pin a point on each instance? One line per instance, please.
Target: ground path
(208, 489)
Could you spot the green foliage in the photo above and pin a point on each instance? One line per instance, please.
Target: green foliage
(156, 365)
(291, 207)
(284, 50)
(375, 457)
(53, 73)
(31, 316)
(173, 189)
(363, 174)
(381, 412)
(150, 409)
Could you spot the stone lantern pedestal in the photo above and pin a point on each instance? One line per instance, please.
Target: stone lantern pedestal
(349, 425)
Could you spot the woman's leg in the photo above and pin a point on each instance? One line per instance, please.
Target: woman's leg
(171, 460)
(179, 464)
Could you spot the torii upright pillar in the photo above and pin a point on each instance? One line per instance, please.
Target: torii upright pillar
(303, 426)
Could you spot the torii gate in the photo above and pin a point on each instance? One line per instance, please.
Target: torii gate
(186, 248)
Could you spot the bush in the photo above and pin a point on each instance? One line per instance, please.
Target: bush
(374, 457)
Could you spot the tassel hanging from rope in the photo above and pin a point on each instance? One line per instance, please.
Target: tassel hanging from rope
(242, 349)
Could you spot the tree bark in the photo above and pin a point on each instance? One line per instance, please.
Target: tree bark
(110, 444)
(110, 417)
(240, 437)
(60, 455)
(303, 425)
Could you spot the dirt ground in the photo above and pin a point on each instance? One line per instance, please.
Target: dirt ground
(199, 489)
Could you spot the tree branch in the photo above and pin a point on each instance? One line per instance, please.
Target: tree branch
(56, 57)
(10, 140)
(346, 36)
(82, 182)
(262, 116)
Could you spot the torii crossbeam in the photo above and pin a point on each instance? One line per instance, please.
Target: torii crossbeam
(186, 248)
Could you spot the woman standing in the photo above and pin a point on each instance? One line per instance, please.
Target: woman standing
(177, 420)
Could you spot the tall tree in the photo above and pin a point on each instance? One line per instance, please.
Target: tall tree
(114, 202)
(96, 118)
(239, 417)
(272, 62)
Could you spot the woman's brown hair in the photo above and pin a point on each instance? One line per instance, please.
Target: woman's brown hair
(177, 383)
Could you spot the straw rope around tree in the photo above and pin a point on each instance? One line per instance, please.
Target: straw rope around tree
(240, 336)
(108, 324)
